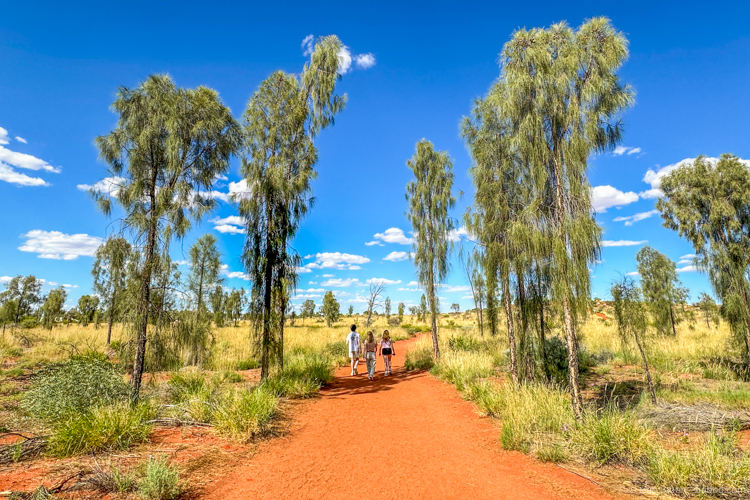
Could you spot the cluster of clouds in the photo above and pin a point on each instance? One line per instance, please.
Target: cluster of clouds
(11, 160)
(347, 60)
(334, 260)
(59, 246)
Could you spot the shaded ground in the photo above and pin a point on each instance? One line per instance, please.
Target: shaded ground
(405, 436)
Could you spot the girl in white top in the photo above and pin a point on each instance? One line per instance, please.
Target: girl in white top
(387, 350)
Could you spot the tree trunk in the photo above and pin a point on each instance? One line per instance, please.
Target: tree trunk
(645, 366)
(570, 337)
(433, 316)
(511, 331)
(671, 319)
(542, 334)
(111, 319)
(491, 287)
(143, 308)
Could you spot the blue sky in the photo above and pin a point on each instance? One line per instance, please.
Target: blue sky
(60, 67)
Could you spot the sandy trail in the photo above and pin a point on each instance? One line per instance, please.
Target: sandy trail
(406, 436)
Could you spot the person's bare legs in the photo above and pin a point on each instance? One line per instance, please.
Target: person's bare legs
(355, 361)
(387, 362)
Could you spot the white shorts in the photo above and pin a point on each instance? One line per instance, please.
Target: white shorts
(354, 354)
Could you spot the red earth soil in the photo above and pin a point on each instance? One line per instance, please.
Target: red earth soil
(405, 436)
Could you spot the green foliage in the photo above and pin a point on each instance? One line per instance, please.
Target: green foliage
(463, 343)
(104, 428)
(612, 437)
(53, 307)
(331, 308)
(419, 358)
(161, 481)
(226, 377)
(110, 274)
(241, 414)
(302, 377)
(87, 305)
(461, 368)
(74, 387)
(430, 198)
(248, 364)
(661, 288)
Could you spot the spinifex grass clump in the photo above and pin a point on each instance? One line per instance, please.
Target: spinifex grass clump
(73, 387)
(241, 413)
(303, 375)
(161, 481)
(106, 428)
(612, 437)
(718, 465)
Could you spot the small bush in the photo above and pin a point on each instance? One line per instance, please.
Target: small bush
(242, 414)
(191, 393)
(612, 437)
(415, 329)
(419, 358)
(107, 428)
(552, 453)
(73, 387)
(115, 481)
(463, 343)
(161, 481)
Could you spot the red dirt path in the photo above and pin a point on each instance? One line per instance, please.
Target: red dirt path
(405, 436)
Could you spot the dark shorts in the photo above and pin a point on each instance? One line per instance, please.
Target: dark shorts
(387, 351)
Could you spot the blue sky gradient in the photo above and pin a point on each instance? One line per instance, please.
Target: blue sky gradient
(60, 67)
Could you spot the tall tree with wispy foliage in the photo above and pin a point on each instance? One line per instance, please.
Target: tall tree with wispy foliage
(110, 276)
(709, 204)
(281, 121)
(168, 147)
(559, 100)
(661, 288)
(430, 198)
(52, 308)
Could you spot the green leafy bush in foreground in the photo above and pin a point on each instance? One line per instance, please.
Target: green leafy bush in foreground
(73, 387)
(419, 358)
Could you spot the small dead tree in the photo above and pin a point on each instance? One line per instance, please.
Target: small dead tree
(373, 302)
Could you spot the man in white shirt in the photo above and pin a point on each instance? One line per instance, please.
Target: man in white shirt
(352, 343)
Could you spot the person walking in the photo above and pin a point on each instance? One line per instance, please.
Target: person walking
(352, 342)
(371, 356)
(387, 350)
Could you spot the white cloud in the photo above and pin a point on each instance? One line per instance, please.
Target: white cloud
(375, 242)
(312, 282)
(327, 275)
(633, 273)
(654, 178)
(413, 283)
(345, 59)
(229, 229)
(604, 197)
(238, 275)
(342, 283)
(456, 288)
(21, 139)
(4, 139)
(5, 279)
(456, 234)
(690, 256)
(109, 186)
(28, 162)
(687, 269)
(622, 243)
(234, 224)
(59, 246)
(307, 45)
(392, 235)
(303, 270)
(66, 285)
(7, 174)
(365, 61)
(621, 150)
(382, 281)
(311, 290)
(336, 260)
(396, 256)
(631, 219)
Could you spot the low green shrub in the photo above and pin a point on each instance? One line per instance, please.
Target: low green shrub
(73, 387)
(463, 343)
(612, 436)
(241, 414)
(105, 428)
(415, 329)
(303, 376)
(552, 453)
(419, 358)
(192, 395)
(161, 481)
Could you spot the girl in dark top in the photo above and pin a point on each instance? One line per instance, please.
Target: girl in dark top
(387, 350)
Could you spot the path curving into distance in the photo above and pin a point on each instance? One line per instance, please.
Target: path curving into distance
(407, 436)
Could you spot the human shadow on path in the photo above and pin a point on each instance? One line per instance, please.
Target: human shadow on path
(360, 384)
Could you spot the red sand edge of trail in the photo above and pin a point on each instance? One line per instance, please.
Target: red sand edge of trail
(407, 436)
